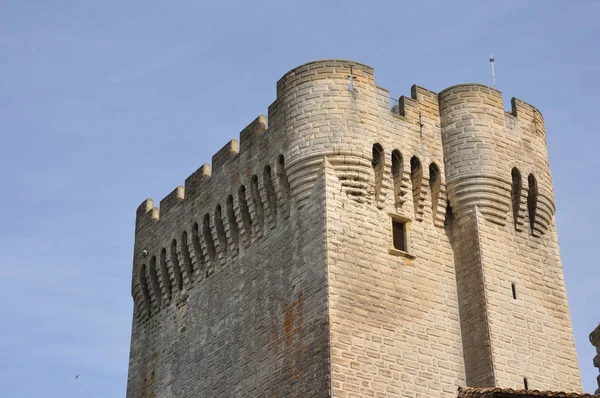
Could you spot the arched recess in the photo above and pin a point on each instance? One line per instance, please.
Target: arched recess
(233, 225)
(397, 171)
(185, 255)
(532, 198)
(175, 265)
(378, 164)
(257, 202)
(208, 239)
(220, 229)
(515, 195)
(416, 178)
(435, 183)
(152, 272)
(197, 247)
(271, 197)
(246, 219)
(164, 271)
(144, 286)
(282, 176)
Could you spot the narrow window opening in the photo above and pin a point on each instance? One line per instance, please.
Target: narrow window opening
(233, 226)
(378, 168)
(164, 271)
(514, 290)
(525, 383)
(416, 177)
(532, 196)
(515, 194)
(397, 169)
(435, 183)
(399, 235)
(208, 239)
(175, 265)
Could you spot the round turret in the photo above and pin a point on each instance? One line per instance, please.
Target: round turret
(484, 145)
(321, 106)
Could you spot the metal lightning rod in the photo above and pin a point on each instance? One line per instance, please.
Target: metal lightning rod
(493, 73)
(351, 86)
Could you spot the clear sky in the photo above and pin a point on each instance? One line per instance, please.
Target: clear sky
(105, 103)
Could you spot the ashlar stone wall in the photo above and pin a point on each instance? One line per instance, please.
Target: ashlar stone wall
(276, 273)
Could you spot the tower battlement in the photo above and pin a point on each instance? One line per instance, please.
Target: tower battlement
(312, 91)
(283, 255)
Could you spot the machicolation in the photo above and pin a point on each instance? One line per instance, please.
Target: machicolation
(357, 247)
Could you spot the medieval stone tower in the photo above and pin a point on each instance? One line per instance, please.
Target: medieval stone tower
(349, 249)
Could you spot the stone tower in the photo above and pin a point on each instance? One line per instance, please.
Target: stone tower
(356, 249)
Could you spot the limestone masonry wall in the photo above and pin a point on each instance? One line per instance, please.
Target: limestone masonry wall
(511, 289)
(276, 273)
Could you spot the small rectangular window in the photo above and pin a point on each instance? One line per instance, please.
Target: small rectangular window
(514, 290)
(399, 235)
(525, 383)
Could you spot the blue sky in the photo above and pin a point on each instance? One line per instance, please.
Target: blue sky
(103, 104)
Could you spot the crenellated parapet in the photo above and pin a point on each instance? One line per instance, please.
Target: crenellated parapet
(201, 225)
(197, 183)
(496, 160)
(343, 226)
(459, 145)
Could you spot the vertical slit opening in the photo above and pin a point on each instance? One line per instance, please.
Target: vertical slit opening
(434, 185)
(397, 169)
(378, 168)
(515, 194)
(514, 290)
(532, 197)
(416, 177)
(525, 383)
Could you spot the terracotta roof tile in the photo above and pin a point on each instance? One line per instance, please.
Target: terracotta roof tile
(472, 392)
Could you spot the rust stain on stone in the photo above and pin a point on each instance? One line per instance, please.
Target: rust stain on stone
(148, 379)
(288, 336)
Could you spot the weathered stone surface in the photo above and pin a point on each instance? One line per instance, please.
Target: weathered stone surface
(277, 275)
(595, 340)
